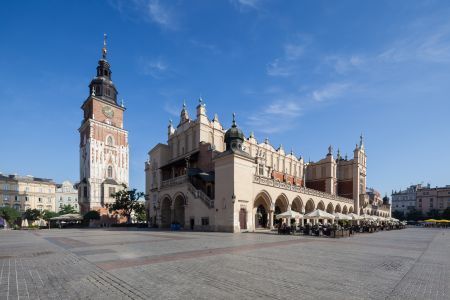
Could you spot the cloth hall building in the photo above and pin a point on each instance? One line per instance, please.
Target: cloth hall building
(209, 178)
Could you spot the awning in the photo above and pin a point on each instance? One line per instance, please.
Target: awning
(319, 214)
(291, 214)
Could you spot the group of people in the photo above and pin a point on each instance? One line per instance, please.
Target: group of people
(336, 229)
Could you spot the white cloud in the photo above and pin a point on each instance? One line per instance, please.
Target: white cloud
(343, 64)
(293, 51)
(424, 45)
(160, 14)
(330, 91)
(172, 109)
(147, 10)
(156, 68)
(286, 64)
(280, 67)
(275, 117)
(244, 5)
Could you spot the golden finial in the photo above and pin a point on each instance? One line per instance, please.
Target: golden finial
(104, 51)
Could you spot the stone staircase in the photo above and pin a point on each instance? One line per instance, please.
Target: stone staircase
(199, 194)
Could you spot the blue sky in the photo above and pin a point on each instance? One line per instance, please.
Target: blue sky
(305, 74)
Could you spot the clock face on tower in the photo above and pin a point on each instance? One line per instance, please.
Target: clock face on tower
(108, 111)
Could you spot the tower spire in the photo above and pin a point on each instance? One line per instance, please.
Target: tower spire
(104, 50)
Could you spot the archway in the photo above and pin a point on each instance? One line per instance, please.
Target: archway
(345, 210)
(261, 208)
(281, 205)
(309, 207)
(178, 210)
(166, 212)
(330, 208)
(338, 208)
(321, 206)
(350, 210)
(361, 211)
(297, 205)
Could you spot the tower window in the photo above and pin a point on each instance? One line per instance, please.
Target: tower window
(110, 172)
(109, 141)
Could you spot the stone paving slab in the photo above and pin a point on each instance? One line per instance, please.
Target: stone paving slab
(144, 264)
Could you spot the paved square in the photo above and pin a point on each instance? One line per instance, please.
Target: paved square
(141, 264)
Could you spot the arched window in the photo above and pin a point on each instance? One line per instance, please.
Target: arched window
(109, 141)
(110, 172)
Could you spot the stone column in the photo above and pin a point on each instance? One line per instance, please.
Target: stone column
(271, 219)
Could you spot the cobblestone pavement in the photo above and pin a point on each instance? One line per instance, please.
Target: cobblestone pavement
(140, 264)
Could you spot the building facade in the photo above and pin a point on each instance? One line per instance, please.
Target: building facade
(66, 194)
(433, 199)
(404, 201)
(104, 153)
(27, 192)
(207, 178)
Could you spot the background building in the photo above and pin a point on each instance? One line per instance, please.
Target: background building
(433, 199)
(27, 192)
(66, 194)
(103, 142)
(404, 201)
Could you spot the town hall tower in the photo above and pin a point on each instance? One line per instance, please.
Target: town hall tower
(104, 159)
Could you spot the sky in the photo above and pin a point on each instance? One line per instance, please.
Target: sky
(305, 74)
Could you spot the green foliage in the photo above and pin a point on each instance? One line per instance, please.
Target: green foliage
(414, 215)
(9, 214)
(47, 215)
(141, 216)
(32, 214)
(398, 215)
(446, 214)
(126, 202)
(434, 214)
(92, 215)
(67, 209)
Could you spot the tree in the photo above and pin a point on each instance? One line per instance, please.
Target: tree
(141, 216)
(32, 214)
(47, 215)
(127, 201)
(67, 209)
(414, 215)
(92, 215)
(434, 214)
(9, 214)
(398, 215)
(446, 214)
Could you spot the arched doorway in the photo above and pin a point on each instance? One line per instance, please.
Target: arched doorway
(178, 210)
(166, 212)
(281, 205)
(261, 210)
(243, 218)
(330, 208)
(261, 217)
